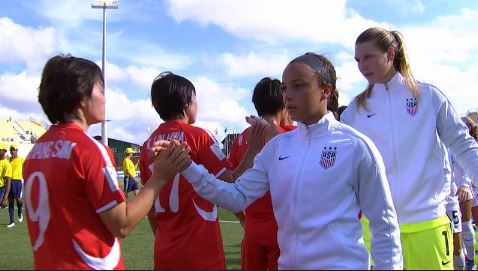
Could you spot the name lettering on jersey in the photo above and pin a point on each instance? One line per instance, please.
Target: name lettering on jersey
(241, 140)
(329, 154)
(178, 135)
(52, 149)
(412, 106)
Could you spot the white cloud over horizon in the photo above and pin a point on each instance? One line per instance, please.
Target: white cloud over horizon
(257, 39)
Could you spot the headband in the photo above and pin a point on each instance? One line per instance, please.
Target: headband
(316, 63)
(310, 60)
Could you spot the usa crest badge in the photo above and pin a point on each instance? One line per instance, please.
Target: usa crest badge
(327, 160)
(412, 106)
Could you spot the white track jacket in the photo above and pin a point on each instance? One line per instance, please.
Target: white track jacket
(319, 177)
(409, 137)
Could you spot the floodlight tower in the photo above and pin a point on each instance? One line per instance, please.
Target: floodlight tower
(104, 4)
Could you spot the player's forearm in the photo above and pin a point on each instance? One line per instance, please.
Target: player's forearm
(241, 217)
(139, 207)
(123, 218)
(7, 186)
(246, 163)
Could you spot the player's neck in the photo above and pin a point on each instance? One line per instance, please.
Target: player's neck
(181, 119)
(276, 118)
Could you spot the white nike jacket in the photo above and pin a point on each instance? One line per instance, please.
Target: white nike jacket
(409, 136)
(319, 177)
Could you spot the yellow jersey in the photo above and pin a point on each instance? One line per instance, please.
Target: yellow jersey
(17, 167)
(5, 171)
(128, 168)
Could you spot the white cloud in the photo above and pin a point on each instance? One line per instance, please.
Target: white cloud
(219, 103)
(25, 44)
(19, 93)
(275, 20)
(418, 8)
(143, 76)
(444, 53)
(113, 71)
(254, 64)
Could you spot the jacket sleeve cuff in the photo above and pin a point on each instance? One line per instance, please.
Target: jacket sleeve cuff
(193, 173)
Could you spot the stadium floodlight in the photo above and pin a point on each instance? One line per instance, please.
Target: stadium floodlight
(104, 4)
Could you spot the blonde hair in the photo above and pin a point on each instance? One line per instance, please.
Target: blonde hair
(472, 127)
(384, 39)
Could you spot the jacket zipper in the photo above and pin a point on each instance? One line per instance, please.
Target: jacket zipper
(299, 175)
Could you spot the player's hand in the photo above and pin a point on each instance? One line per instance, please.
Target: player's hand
(464, 193)
(270, 128)
(162, 145)
(256, 137)
(4, 203)
(171, 160)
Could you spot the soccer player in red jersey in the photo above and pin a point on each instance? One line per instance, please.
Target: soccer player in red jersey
(75, 210)
(259, 249)
(186, 226)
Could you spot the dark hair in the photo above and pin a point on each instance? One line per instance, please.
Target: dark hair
(65, 82)
(340, 110)
(268, 96)
(326, 75)
(171, 94)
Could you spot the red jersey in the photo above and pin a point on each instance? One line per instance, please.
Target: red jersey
(188, 235)
(260, 224)
(69, 179)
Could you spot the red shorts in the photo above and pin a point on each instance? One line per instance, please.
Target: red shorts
(259, 257)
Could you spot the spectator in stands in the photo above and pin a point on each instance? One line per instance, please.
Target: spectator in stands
(16, 185)
(130, 183)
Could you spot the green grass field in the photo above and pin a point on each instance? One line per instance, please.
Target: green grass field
(137, 247)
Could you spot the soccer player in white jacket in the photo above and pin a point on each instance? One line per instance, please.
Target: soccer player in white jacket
(319, 175)
(409, 121)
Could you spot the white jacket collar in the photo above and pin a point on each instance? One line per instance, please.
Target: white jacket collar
(394, 83)
(318, 128)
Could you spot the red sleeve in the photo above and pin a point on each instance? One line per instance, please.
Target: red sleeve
(143, 165)
(101, 179)
(210, 154)
(234, 158)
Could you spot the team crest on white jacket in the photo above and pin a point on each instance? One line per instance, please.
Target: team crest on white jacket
(412, 106)
(327, 159)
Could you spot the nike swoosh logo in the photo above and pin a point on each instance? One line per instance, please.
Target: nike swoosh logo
(371, 115)
(283, 157)
(445, 263)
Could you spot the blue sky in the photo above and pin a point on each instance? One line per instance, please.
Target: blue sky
(224, 47)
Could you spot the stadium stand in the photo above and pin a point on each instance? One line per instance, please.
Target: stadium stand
(22, 132)
(32, 128)
(7, 132)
